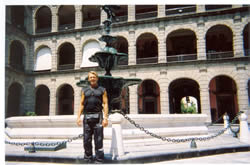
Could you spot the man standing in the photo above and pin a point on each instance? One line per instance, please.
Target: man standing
(94, 99)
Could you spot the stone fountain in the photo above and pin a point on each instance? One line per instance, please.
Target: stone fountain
(107, 59)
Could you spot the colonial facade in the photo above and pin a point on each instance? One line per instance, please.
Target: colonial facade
(179, 51)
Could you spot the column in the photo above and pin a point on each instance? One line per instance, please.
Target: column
(54, 19)
(29, 57)
(162, 44)
(77, 95)
(238, 46)
(164, 92)
(78, 51)
(200, 8)
(161, 11)
(54, 54)
(131, 13)
(53, 97)
(242, 88)
(78, 17)
(34, 25)
(133, 96)
(132, 46)
(201, 40)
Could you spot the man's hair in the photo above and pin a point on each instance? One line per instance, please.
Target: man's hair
(94, 73)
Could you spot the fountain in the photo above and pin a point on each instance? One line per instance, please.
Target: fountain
(108, 58)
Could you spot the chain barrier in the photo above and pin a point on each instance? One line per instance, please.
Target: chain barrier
(212, 123)
(175, 140)
(47, 144)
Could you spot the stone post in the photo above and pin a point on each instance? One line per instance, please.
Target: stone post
(244, 131)
(226, 124)
(117, 148)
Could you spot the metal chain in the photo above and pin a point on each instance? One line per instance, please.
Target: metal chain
(44, 143)
(216, 120)
(175, 140)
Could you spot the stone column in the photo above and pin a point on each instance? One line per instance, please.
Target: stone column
(242, 88)
(164, 92)
(162, 44)
(54, 54)
(131, 13)
(78, 51)
(204, 93)
(133, 96)
(201, 40)
(200, 8)
(53, 97)
(78, 18)
(238, 46)
(132, 46)
(34, 25)
(54, 19)
(28, 96)
(161, 11)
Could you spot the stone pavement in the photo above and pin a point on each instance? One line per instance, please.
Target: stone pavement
(136, 151)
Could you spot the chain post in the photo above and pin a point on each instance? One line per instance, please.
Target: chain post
(193, 144)
(33, 149)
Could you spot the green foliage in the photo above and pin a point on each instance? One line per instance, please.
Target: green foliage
(191, 109)
(29, 113)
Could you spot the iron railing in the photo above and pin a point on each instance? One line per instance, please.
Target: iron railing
(182, 57)
(66, 67)
(219, 55)
(96, 22)
(151, 60)
(66, 27)
(146, 15)
(181, 10)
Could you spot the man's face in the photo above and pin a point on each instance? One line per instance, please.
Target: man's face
(93, 79)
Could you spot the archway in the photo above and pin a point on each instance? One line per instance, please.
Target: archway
(14, 100)
(180, 88)
(42, 100)
(181, 45)
(146, 49)
(66, 57)
(219, 42)
(149, 97)
(17, 54)
(65, 100)
(43, 20)
(91, 15)
(223, 97)
(66, 18)
(246, 40)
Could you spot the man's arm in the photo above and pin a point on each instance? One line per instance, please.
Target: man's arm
(78, 121)
(105, 108)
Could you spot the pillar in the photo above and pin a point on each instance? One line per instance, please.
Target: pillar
(201, 40)
(200, 8)
(164, 96)
(131, 13)
(133, 96)
(54, 54)
(244, 131)
(162, 44)
(132, 46)
(238, 46)
(78, 16)
(161, 11)
(54, 19)
(78, 51)
(53, 99)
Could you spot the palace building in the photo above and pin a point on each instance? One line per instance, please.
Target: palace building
(182, 53)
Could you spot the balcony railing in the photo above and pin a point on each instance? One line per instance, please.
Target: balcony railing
(146, 15)
(66, 67)
(181, 57)
(219, 55)
(150, 60)
(43, 30)
(215, 7)
(122, 19)
(247, 52)
(17, 66)
(91, 23)
(66, 26)
(180, 10)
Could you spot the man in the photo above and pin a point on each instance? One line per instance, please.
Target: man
(94, 99)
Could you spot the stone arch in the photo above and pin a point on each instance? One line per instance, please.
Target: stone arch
(183, 87)
(190, 27)
(17, 54)
(66, 17)
(181, 45)
(42, 101)
(147, 48)
(149, 97)
(89, 47)
(64, 60)
(65, 99)
(223, 97)
(42, 58)
(43, 17)
(15, 100)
